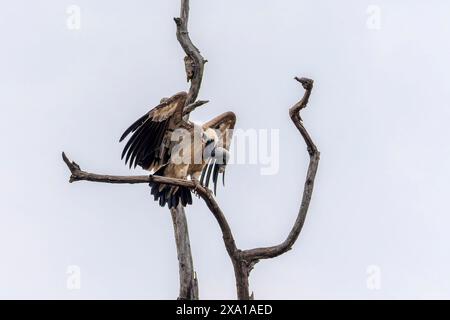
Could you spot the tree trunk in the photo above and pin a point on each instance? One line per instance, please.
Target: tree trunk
(188, 280)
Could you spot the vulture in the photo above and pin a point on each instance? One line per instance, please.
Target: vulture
(163, 142)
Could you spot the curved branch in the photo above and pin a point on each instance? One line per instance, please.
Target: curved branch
(77, 174)
(194, 61)
(80, 175)
(254, 255)
(244, 261)
(188, 278)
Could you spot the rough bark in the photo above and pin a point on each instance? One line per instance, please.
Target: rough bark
(194, 61)
(194, 65)
(188, 280)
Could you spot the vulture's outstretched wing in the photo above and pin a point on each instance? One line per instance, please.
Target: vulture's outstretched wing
(146, 146)
(223, 126)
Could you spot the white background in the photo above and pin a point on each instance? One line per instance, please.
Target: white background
(379, 114)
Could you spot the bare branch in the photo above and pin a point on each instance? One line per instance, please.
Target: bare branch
(191, 107)
(244, 261)
(294, 112)
(188, 279)
(194, 66)
(77, 174)
(80, 175)
(195, 62)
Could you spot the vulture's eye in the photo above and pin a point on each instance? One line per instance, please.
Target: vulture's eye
(208, 142)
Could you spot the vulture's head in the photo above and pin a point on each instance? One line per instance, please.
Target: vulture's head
(210, 137)
(209, 140)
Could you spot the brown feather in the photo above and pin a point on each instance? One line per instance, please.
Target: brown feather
(144, 146)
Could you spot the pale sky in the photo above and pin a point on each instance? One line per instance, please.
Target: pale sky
(379, 114)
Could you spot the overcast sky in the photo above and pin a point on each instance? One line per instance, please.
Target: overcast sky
(379, 218)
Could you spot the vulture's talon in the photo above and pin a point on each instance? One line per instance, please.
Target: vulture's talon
(197, 184)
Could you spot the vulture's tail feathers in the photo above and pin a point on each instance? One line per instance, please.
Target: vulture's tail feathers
(172, 196)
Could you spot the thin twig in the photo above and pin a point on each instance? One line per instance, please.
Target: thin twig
(191, 107)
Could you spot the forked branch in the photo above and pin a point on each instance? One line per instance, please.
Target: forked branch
(194, 65)
(243, 261)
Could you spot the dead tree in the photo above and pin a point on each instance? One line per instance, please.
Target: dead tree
(243, 260)
(194, 65)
